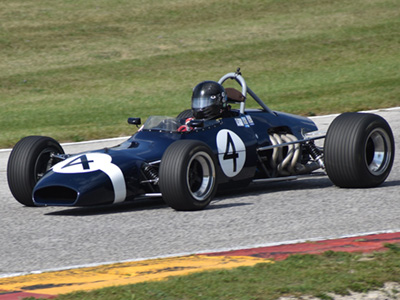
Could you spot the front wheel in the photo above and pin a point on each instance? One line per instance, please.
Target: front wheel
(30, 158)
(188, 175)
(359, 150)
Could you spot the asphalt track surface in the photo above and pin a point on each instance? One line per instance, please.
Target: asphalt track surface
(49, 238)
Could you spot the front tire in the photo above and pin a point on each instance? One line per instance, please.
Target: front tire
(359, 150)
(188, 175)
(30, 158)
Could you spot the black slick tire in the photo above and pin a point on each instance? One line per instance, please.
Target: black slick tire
(28, 161)
(188, 113)
(188, 175)
(359, 150)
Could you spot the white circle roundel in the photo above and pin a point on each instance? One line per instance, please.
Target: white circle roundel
(231, 152)
(84, 163)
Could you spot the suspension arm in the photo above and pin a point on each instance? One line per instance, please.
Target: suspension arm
(291, 143)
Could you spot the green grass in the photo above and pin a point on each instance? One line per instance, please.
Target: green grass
(77, 69)
(315, 275)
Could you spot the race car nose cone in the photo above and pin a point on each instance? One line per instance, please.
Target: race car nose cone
(74, 189)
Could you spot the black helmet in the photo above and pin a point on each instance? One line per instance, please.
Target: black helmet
(208, 100)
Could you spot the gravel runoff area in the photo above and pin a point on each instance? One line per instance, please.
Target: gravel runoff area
(390, 291)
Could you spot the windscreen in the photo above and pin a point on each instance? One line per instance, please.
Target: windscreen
(161, 123)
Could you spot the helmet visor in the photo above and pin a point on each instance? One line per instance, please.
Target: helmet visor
(202, 102)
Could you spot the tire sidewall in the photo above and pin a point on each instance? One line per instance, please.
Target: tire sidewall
(187, 113)
(175, 187)
(204, 151)
(23, 162)
(361, 160)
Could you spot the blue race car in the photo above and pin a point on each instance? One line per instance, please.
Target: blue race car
(186, 159)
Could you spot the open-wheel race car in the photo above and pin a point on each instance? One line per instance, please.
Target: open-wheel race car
(186, 159)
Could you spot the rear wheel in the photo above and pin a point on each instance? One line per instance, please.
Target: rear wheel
(359, 150)
(188, 113)
(188, 175)
(30, 158)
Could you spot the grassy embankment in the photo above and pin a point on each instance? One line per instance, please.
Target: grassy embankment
(76, 70)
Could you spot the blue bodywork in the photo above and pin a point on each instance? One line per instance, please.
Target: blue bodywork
(129, 170)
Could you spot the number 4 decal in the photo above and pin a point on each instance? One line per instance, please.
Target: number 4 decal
(231, 152)
(83, 161)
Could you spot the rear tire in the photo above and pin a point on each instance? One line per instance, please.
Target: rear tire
(359, 150)
(188, 113)
(29, 160)
(188, 175)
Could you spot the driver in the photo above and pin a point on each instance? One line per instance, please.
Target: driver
(209, 101)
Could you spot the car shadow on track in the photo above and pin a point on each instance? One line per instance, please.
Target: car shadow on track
(294, 185)
(252, 190)
(153, 204)
(390, 183)
(259, 188)
(139, 205)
